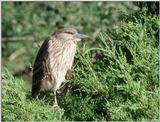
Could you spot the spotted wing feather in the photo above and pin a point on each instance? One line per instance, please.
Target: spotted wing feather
(40, 68)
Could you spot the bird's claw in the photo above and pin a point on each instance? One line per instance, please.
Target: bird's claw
(55, 106)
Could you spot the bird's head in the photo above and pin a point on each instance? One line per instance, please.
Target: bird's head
(67, 34)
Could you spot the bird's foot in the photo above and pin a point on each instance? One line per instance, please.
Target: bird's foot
(55, 106)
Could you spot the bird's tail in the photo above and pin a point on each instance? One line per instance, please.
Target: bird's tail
(35, 88)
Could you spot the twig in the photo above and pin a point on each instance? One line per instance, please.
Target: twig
(17, 38)
(95, 34)
(17, 53)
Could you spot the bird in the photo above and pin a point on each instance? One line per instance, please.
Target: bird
(54, 61)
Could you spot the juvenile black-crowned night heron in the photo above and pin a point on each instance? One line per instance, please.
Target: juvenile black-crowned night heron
(54, 61)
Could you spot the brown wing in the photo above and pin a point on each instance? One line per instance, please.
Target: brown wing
(40, 68)
(68, 74)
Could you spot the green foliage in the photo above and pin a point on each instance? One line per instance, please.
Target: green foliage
(17, 104)
(39, 20)
(121, 85)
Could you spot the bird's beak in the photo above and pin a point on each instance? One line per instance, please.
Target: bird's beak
(80, 36)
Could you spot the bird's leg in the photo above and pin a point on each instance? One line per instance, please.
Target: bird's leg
(56, 87)
(55, 105)
(55, 98)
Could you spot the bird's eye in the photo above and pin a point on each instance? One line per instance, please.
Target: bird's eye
(68, 32)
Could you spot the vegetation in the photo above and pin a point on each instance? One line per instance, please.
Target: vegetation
(115, 74)
(18, 105)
